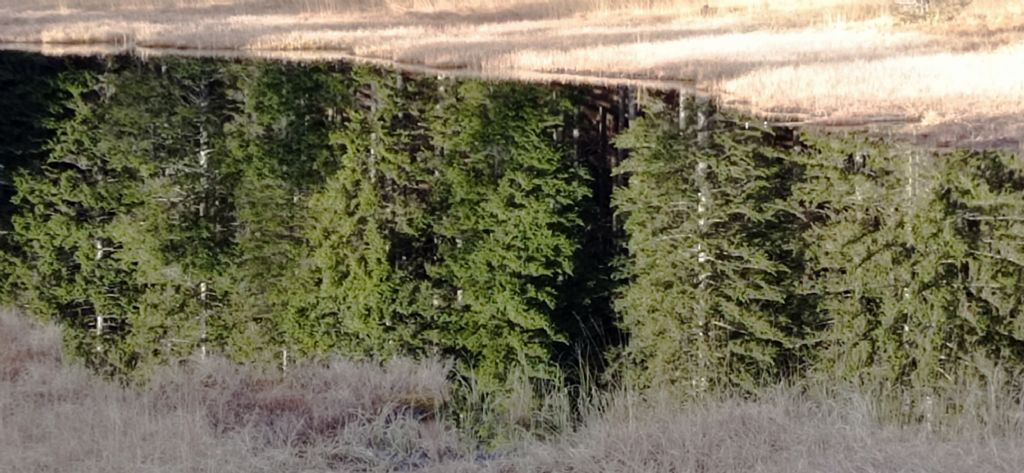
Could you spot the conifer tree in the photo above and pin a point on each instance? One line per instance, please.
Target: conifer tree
(73, 269)
(709, 271)
(507, 228)
(128, 224)
(28, 82)
(368, 229)
(179, 235)
(982, 196)
(887, 259)
(280, 152)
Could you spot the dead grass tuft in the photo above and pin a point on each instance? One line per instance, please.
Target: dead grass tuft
(26, 346)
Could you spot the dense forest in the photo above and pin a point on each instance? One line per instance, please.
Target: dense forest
(162, 210)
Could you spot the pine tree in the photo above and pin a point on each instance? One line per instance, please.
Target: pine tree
(368, 229)
(73, 269)
(973, 306)
(280, 151)
(982, 197)
(887, 258)
(507, 228)
(707, 304)
(128, 227)
(29, 85)
(179, 236)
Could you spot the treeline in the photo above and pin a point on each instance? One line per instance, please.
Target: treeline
(181, 207)
(190, 206)
(756, 255)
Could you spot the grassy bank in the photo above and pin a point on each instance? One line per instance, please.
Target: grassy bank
(952, 72)
(343, 416)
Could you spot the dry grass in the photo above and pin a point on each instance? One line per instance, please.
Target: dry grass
(349, 417)
(812, 60)
(783, 432)
(214, 416)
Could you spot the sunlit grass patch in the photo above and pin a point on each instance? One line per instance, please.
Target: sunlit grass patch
(838, 59)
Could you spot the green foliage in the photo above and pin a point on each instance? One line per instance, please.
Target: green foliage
(248, 208)
(27, 105)
(127, 224)
(866, 205)
(279, 149)
(66, 226)
(178, 237)
(982, 194)
(509, 229)
(368, 230)
(259, 207)
(898, 256)
(708, 301)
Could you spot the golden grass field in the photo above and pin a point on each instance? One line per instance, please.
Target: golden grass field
(958, 75)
